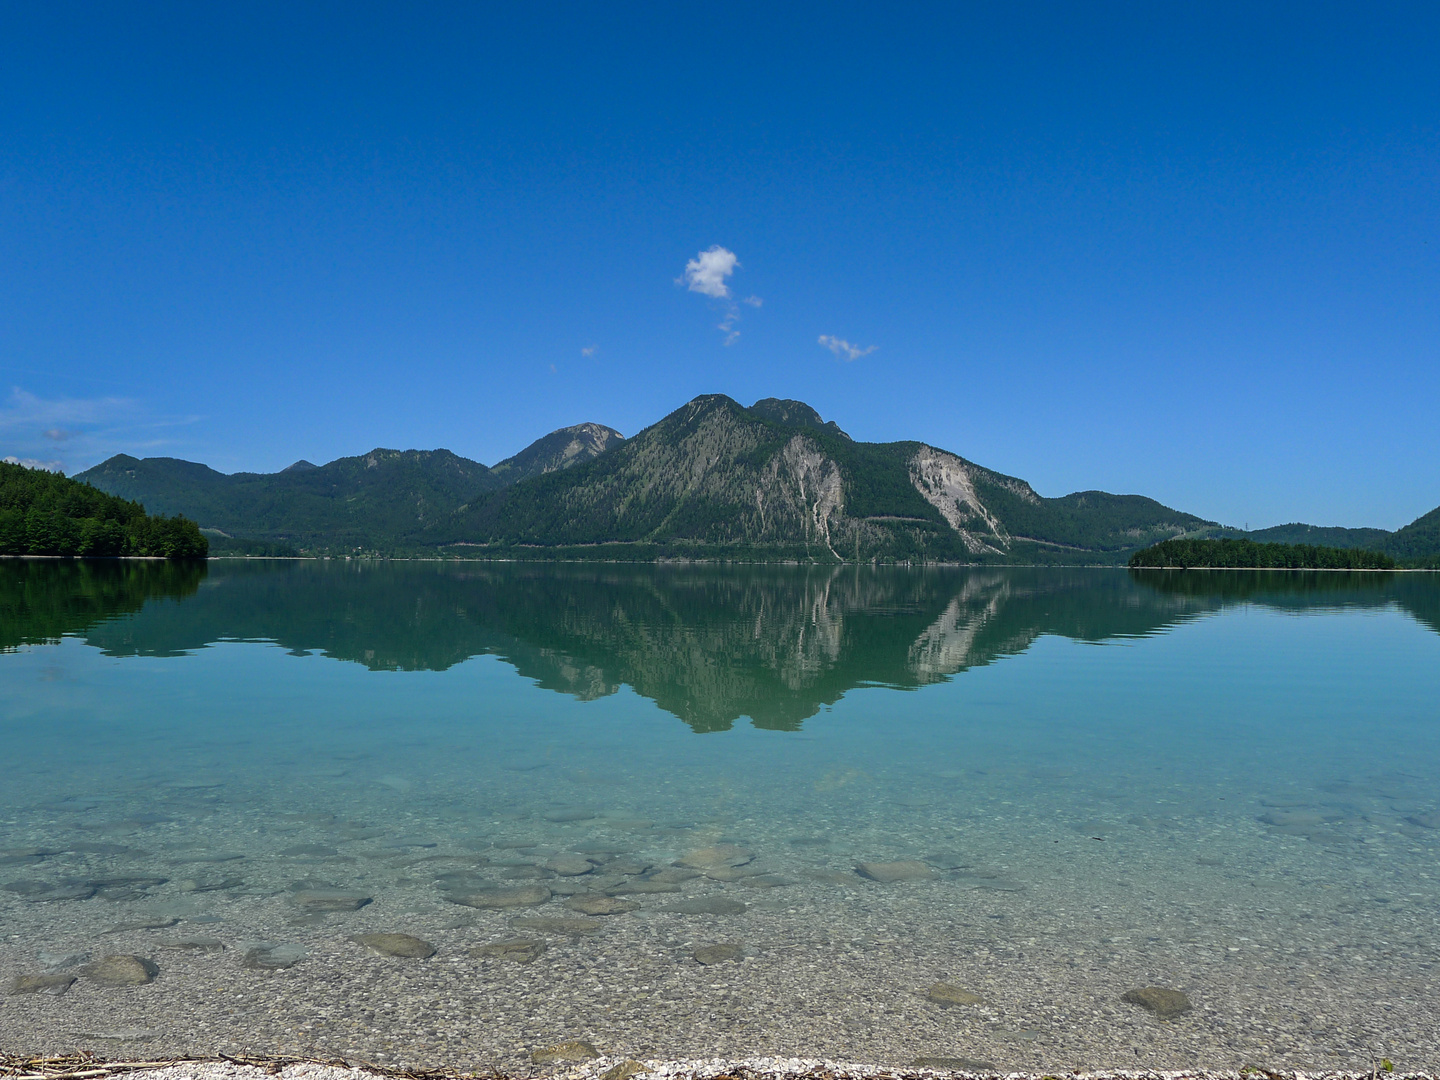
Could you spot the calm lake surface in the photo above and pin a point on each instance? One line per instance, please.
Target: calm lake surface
(1078, 783)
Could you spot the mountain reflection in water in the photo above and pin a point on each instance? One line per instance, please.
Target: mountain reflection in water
(710, 645)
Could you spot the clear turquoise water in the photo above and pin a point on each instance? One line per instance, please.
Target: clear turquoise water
(1222, 783)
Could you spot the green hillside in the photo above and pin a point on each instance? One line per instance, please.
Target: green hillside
(374, 499)
(1325, 536)
(1417, 544)
(45, 513)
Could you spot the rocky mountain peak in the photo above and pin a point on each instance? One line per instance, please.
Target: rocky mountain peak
(793, 413)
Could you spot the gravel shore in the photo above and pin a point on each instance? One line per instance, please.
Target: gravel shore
(607, 1068)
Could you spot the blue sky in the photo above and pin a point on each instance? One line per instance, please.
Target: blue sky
(1188, 251)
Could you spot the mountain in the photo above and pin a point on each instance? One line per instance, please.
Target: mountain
(558, 450)
(352, 502)
(794, 414)
(714, 479)
(374, 500)
(711, 480)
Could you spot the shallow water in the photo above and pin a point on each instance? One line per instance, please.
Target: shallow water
(1221, 783)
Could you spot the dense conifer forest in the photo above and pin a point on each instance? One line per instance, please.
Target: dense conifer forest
(45, 513)
(1248, 555)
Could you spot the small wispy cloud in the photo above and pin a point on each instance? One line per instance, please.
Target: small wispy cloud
(844, 350)
(589, 350)
(24, 409)
(707, 275)
(727, 327)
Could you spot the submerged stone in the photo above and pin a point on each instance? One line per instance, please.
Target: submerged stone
(595, 904)
(123, 969)
(191, 885)
(767, 881)
(716, 855)
(54, 985)
(717, 954)
(308, 850)
(623, 1071)
(193, 944)
(570, 865)
(904, 870)
(520, 950)
(270, 956)
(402, 945)
(497, 899)
(41, 892)
(574, 1052)
(557, 926)
(943, 993)
(1160, 1000)
(323, 900)
(706, 905)
(158, 922)
(642, 887)
(55, 960)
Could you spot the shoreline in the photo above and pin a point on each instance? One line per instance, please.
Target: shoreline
(84, 1065)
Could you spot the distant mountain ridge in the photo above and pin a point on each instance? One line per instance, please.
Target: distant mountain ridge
(713, 479)
(558, 450)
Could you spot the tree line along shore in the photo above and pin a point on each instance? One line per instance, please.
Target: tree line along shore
(1232, 554)
(45, 513)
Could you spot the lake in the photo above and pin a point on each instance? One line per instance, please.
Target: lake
(866, 814)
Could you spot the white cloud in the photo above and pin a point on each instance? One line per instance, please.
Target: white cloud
(589, 350)
(31, 463)
(706, 273)
(843, 349)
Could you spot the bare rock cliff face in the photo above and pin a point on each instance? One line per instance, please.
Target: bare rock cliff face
(947, 483)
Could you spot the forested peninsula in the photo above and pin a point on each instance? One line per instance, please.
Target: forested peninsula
(1248, 555)
(45, 513)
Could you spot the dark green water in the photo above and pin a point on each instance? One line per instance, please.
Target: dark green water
(1219, 782)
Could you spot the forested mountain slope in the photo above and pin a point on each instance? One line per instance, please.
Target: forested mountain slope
(714, 479)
